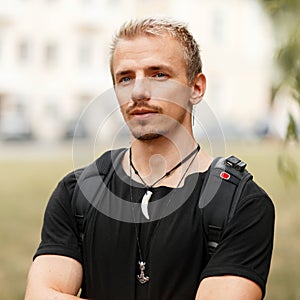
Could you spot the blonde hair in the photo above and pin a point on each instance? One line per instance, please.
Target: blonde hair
(157, 26)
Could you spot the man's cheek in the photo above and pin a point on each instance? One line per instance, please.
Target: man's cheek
(123, 95)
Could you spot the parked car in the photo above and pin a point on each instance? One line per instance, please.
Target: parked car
(74, 130)
(14, 127)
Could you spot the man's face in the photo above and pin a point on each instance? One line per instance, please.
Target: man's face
(151, 85)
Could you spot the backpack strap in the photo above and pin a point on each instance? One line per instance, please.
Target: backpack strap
(220, 195)
(103, 167)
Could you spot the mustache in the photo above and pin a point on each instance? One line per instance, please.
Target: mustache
(144, 105)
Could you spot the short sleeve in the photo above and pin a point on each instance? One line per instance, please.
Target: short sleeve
(245, 249)
(59, 232)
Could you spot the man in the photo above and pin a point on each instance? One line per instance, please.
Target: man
(159, 250)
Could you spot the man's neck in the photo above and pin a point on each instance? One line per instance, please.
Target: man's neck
(153, 158)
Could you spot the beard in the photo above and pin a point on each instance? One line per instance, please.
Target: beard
(146, 135)
(160, 125)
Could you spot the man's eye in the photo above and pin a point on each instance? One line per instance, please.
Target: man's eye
(125, 79)
(160, 75)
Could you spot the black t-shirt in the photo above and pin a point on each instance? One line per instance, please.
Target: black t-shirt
(174, 246)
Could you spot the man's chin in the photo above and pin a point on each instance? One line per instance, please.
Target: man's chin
(146, 136)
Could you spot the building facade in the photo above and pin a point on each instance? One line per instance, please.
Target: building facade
(54, 58)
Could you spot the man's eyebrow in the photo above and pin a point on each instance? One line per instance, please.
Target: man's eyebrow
(160, 67)
(150, 68)
(123, 72)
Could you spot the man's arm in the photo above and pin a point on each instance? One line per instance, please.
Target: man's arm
(54, 277)
(228, 288)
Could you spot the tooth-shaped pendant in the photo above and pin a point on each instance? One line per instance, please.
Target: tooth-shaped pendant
(144, 205)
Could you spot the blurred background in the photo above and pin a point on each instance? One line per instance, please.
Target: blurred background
(55, 85)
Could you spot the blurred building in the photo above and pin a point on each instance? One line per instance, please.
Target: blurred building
(54, 58)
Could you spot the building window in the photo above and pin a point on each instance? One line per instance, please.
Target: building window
(1, 104)
(218, 27)
(52, 110)
(23, 51)
(51, 54)
(1, 48)
(216, 93)
(85, 54)
(51, 107)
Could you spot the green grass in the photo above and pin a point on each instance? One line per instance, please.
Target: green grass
(25, 188)
(283, 283)
(27, 183)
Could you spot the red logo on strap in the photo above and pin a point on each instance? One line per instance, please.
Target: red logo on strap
(225, 175)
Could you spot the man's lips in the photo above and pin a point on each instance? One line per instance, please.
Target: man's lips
(142, 112)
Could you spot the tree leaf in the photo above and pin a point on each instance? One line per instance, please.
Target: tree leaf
(287, 168)
(291, 132)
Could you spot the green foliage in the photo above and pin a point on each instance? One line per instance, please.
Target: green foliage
(288, 57)
(291, 132)
(285, 15)
(279, 7)
(287, 168)
(296, 91)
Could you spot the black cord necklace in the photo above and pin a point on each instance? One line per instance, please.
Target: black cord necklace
(142, 278)
(148, 193)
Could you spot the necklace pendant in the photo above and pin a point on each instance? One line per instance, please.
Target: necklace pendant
(142, 278)
(145, 202)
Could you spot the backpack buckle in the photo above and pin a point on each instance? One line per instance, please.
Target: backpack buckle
(235, 163)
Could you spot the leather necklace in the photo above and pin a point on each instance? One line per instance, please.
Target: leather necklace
(142, 277)
(147, 196)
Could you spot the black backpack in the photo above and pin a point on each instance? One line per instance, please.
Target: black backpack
(220, 194)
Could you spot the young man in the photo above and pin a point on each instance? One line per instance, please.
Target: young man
(157, 248)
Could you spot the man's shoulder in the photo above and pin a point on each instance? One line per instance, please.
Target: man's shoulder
(100, 166)
(253, 189)
(254, 194)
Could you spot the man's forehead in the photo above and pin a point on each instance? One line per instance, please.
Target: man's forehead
(149, 38)
(147, 45)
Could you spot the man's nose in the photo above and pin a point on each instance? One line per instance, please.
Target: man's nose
(141, 89)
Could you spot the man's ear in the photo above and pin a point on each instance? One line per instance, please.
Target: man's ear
(198, 88)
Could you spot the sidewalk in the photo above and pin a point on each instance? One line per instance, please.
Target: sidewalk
(34, 150)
